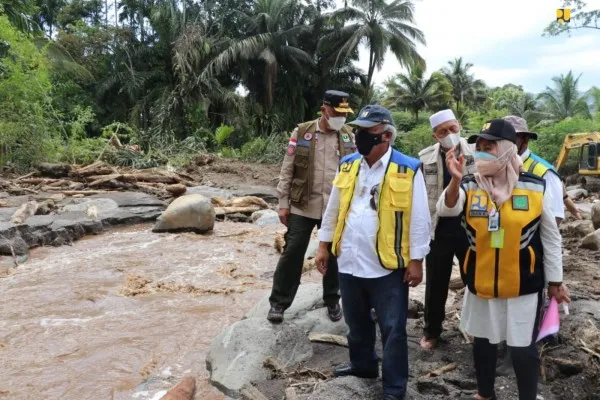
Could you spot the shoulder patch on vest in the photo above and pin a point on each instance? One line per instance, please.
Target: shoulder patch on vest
(345, 137)
(520, 202)
(469, 160)
(291, 150)
(478, 206)
(430, 169)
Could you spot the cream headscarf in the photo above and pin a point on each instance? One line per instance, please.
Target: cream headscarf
(498, 177)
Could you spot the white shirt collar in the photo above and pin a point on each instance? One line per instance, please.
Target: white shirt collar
(525, 155)
(383, 161)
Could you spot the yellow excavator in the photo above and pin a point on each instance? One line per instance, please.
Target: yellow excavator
(589, 153)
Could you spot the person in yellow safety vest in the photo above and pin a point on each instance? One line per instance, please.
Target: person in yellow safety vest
(515, 250)
(537, 166)
(377, 224)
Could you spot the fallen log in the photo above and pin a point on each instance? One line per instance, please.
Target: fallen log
(233, 210)
(98, 180)
(328, 338)
(97, 168)
(440, 371)
(142, 177)
(54, 170)
(26, 176)
(60, 183)
(37, 181)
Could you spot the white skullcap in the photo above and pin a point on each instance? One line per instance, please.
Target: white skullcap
(440, 117)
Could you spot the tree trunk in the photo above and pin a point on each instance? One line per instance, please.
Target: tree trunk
(116, 14)
(369, 76)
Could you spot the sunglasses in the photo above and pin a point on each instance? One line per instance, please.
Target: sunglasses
(374, 198)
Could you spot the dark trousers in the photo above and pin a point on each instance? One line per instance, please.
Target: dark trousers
(438, 270)
(388, 295)
(525, 360)
(289, 268)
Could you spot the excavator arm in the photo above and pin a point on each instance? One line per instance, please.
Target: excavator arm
(574, 141)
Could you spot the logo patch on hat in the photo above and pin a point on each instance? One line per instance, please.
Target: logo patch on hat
(364, 114)
(520, 202)
(486, 126)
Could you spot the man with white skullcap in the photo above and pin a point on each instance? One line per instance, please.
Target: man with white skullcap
(447, 237)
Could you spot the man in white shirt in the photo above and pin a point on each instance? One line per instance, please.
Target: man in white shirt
(377, 224)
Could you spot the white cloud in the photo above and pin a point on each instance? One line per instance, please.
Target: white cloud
(467, 28)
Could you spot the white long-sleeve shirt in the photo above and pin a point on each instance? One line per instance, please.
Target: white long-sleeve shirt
(358, 245)
(554, 188)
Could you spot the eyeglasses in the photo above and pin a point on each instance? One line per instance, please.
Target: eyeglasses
(374, 198)
(448, 130)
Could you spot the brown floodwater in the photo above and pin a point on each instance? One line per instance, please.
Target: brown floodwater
(127, 314)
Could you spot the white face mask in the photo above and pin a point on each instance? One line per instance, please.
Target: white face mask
(450, 141)
(336, 123)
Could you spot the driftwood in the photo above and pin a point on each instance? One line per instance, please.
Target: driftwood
(84, 192)
(440, 371)
(328, 338)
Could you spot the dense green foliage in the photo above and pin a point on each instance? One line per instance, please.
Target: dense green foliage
(176, 77)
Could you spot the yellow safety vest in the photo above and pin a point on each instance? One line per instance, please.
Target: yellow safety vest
(515, 269)
(393, 207)
(537, 166)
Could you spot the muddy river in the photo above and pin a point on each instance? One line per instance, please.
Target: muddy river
(127, 314)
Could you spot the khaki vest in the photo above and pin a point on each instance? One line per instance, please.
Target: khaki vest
(394, 207)
(515, 269)
(304, 160)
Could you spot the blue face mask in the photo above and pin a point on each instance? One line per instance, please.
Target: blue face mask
(484, 155)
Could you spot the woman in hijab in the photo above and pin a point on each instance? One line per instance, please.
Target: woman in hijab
(514, 253)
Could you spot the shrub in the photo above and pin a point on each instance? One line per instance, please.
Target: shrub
(412, 142)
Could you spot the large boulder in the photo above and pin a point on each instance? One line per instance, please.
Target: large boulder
(596, 215)
(192, 212)
(16, 245)
(592, 241)
(265, 217)
(236, 356)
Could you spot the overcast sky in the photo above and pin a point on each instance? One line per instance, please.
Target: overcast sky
(503, 40)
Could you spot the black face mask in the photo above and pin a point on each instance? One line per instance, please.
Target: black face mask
(365, 141)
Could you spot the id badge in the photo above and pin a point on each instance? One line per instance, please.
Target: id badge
(497, 239)
(493, 221)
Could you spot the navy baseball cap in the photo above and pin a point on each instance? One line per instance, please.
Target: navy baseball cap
(495, 129)
(372, 115)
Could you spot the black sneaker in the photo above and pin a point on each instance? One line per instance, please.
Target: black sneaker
(335, 312)
(275, 314)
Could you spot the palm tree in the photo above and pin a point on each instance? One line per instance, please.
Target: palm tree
(564, 100)
(269, 49)
(415, 93)
(382, 27)
(19, 14)
(466, 90)
(517, 102)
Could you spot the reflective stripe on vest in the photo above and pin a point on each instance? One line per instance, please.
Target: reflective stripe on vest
(393, 207)
(515, 269)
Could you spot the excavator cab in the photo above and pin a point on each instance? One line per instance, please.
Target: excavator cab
(589, 152)
(588, 159)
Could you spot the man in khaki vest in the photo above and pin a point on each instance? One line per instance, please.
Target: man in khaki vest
(448, 237)
(309, 167)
